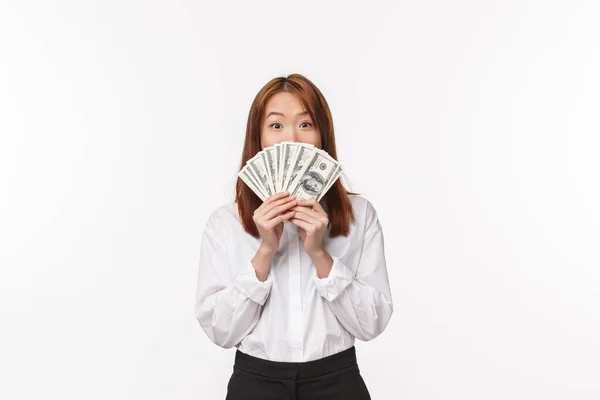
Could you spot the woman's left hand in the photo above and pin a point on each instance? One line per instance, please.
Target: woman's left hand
(312, 223)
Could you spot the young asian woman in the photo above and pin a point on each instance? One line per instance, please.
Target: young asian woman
(292, 283)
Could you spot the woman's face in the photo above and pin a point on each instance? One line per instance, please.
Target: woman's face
(287, 121)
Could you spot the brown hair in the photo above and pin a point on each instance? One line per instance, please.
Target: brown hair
(339, 207)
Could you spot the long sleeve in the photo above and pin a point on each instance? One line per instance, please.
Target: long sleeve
(362, 302)
(227, 304)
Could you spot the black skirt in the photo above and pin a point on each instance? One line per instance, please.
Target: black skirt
(330, 378)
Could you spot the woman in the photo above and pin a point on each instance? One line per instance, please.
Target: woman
(290, 283)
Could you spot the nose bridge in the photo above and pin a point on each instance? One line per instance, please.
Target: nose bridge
(293, 133)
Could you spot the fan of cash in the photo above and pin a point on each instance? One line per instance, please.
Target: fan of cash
(303, 170)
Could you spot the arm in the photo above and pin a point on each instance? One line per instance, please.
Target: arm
(227, 307)
(362, 302)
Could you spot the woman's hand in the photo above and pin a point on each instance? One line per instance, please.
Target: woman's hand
(269, 221)
(312, 223)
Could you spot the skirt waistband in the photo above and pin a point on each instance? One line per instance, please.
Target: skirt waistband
(295, 370)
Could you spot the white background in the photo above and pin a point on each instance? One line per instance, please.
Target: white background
(472, 126)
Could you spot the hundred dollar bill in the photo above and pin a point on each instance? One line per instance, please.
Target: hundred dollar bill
(281, 169)
(315, 176)
(336, 175)
(304, 155)
(287, 156)
(257, 166)
(278, 167)
(268, 157)
(258, 183)
(300, 168)
(244, 176)
(275, 156)
(255, 180)
(295, 154)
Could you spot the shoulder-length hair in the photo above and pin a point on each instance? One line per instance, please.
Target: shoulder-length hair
(338, 205)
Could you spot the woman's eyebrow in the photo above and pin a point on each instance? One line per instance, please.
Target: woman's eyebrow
(283, 115)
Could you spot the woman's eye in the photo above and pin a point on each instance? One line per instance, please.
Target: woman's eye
(278, 124)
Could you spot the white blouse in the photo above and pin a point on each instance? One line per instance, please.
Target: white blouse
(293, 315)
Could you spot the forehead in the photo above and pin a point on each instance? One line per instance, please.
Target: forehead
(285, 103)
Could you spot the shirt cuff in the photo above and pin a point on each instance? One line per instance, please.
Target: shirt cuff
(338, 279)
(248, 283)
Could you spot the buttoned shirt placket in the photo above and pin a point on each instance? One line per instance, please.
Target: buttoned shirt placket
(296, 331)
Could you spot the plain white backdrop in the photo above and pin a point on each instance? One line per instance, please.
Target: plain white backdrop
(472, 126)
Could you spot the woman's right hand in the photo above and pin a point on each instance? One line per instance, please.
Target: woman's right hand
(269, 221)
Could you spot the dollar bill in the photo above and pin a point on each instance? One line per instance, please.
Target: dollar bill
(290, 151)
(336, 175)
(316, 176)
(302, 169)
(304, 154)
(255, 180)
(259, 169)
(279, 167)
(244, 174)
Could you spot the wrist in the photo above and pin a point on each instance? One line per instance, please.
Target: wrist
(323, 262)
(266, 251)
(262, 262)
(318, 253)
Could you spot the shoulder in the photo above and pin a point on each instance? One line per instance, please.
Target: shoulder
(226, 212)
(366, 214)
(363, 207)
(224, 215)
